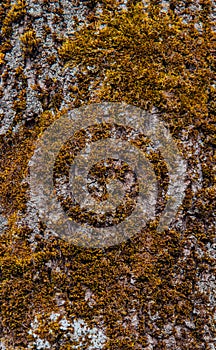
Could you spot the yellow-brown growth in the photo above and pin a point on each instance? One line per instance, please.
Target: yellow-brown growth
(147, 58)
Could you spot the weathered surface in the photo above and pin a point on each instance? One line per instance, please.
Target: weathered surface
(157, 290)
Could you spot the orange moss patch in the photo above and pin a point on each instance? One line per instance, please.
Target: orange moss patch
(146, 59)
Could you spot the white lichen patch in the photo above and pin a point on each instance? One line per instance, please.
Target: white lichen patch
(75, 332)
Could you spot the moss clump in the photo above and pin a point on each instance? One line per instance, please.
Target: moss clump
(30, 42)
(14, 14)
(20, 103)
(148, 58)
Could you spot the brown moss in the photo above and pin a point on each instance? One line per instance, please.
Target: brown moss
(51, 59)
(2, 58)
(29, 41)
(13, 15)
(20, 102)
(175, 75)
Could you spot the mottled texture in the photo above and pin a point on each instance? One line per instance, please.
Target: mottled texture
(157, 290)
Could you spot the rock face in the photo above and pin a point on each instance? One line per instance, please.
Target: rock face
(156, 288)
